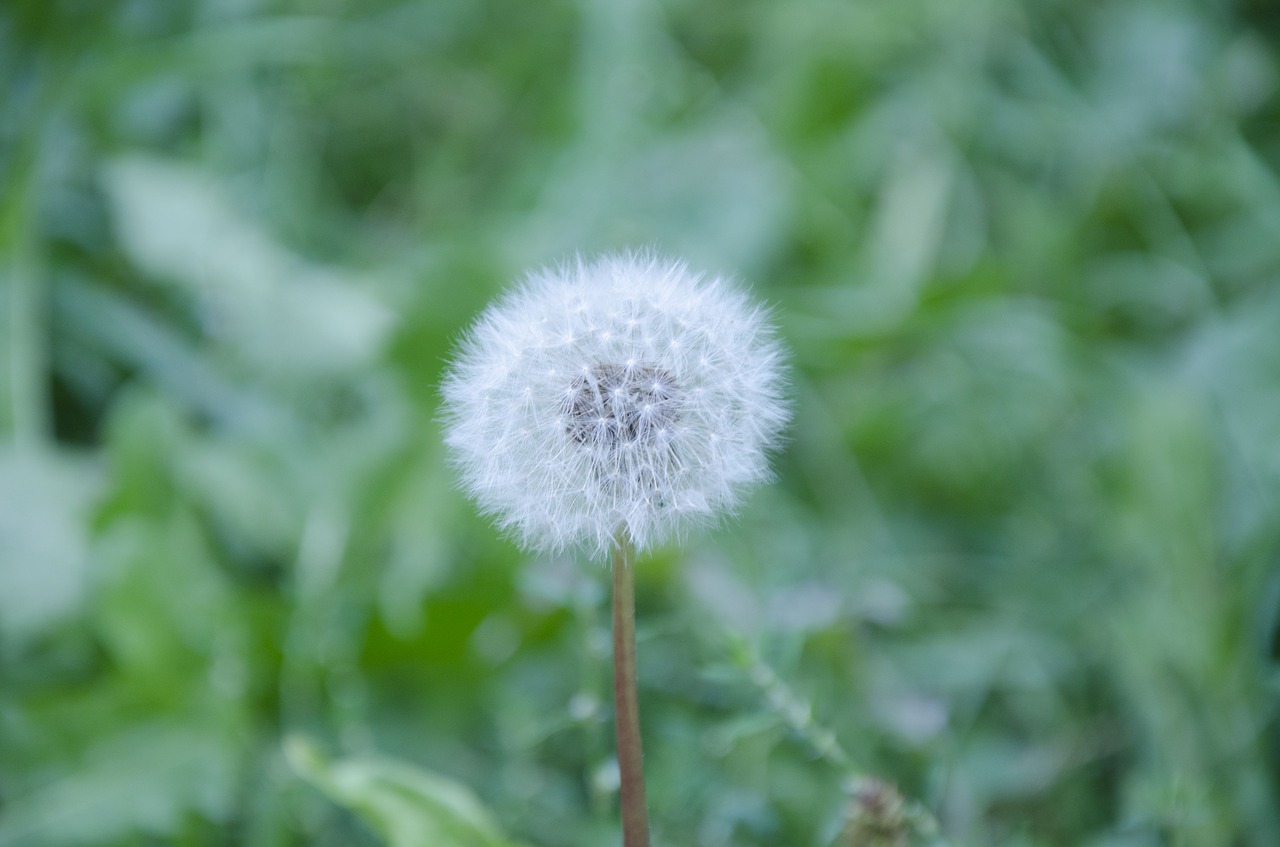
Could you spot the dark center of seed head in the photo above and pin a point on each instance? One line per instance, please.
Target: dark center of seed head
(614, 405)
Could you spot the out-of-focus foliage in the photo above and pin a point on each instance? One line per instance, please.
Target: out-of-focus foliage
(407, 807)
(1023, 557)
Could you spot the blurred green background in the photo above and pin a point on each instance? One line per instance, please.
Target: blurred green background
(1023, 555)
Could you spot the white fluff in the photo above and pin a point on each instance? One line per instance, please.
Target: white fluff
(622, 394)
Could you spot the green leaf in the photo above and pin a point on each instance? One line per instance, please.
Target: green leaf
(154, 778)
(275, 308)
(406, 806)
(44, 498)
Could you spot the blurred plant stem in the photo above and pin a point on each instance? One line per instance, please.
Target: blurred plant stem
(26, 356)
(309, 638)
(635, 819)
(797, 714)
(591, 637)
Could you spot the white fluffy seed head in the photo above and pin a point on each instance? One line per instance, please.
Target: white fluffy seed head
(622, 394)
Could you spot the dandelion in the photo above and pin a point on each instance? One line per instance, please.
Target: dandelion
(626, 394)
(613, 405)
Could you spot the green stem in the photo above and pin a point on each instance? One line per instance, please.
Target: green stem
(28, 415)
(797, 714)
(635, 819)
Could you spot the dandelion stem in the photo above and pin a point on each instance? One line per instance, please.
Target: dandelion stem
(635, 819)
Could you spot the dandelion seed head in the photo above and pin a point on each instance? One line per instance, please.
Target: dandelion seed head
(622, 394)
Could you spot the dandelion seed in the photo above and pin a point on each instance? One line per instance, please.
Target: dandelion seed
(673, 403)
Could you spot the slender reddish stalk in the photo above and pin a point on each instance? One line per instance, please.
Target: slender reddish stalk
(635, 818)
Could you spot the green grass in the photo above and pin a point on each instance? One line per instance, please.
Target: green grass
(1023, 556)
